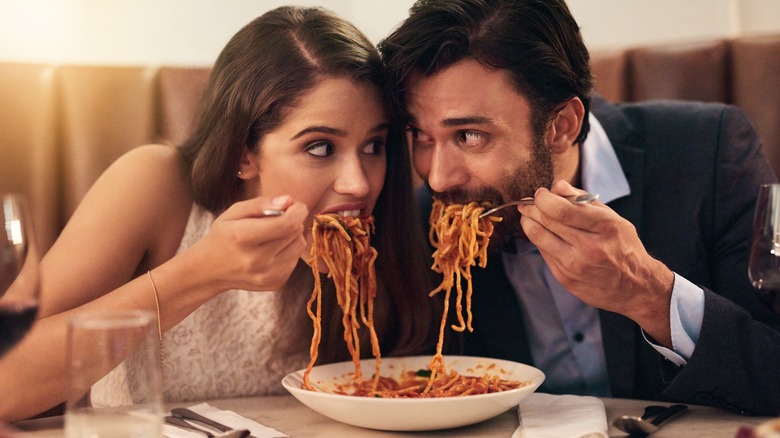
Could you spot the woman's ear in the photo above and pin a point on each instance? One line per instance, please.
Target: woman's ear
(566, 125)
(249, 166)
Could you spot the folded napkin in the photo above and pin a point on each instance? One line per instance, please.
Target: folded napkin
(228, 418)
(561, 416)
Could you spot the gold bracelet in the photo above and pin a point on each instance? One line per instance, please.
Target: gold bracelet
(159, 323)
(157, 304)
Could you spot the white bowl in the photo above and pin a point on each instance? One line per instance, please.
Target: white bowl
(412, 414)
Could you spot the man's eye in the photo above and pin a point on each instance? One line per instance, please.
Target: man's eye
(417, 138)
(471, 138)
(374, 147)
(320, 149)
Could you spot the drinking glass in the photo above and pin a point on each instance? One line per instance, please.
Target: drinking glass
(19, 278)
(764, 262)
(114, 376)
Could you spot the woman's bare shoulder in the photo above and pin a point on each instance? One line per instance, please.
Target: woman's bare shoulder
(146, 186)
(152, 171)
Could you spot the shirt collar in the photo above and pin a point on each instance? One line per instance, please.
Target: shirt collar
(601, 170)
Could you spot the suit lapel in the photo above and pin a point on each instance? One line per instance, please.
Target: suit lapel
(621, 134)
(618, 332)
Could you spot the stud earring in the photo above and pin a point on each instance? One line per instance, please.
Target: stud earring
(239, 173)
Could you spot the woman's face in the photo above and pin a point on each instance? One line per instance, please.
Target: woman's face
(329, 151)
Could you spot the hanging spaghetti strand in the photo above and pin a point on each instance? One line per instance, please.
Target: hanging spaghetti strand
(343, 244)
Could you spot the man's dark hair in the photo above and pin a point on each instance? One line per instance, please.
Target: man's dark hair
(537, 41)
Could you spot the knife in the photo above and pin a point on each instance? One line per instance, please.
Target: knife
(189, 414)
(178, 422)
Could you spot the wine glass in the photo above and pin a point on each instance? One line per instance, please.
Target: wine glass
(19, 278)
(764, 262)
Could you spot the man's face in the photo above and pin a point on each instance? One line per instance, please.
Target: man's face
(472, 139)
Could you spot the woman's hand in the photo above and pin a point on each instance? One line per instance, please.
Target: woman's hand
(246, 250)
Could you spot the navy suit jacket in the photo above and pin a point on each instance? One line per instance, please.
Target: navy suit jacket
(694, 171)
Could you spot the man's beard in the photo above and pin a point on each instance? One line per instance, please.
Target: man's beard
(521, 182)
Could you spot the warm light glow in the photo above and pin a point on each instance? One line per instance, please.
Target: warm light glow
(192, 32)
(13, 229)
(34, 27)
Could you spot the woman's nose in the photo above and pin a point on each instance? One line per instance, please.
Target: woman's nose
(352, 179)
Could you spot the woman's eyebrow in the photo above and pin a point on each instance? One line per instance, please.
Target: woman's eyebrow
(335, 131)
(322, 130)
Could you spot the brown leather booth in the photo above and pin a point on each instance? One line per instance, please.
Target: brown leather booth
(61, 126)
(742, 71)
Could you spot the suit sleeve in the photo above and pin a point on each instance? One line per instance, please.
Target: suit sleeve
(735, 363)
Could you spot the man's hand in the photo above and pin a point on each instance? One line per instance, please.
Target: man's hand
(597, 255)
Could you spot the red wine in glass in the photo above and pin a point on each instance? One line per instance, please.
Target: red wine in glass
(19, 278)
(14, 324)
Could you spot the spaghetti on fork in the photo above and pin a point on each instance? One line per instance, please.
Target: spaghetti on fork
(461, 240)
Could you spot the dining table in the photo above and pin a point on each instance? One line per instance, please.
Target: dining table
(288, 415)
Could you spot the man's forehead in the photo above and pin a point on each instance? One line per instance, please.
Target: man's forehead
(465, 92)
(462, 72)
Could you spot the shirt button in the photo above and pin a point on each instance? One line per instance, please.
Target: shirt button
(579, 337)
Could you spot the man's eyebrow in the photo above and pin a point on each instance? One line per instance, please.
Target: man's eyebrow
(472, 120)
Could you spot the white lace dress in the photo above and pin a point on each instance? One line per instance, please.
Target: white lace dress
(221, 350)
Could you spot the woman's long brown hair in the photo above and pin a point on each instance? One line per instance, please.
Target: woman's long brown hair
(257, 78)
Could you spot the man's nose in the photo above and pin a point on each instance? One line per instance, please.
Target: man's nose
(447, 169)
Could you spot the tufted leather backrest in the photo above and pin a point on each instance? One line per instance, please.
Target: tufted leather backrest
(179, 93)
(29, 153)
(104, 112)
(62, 126)
(742, 71)
(755, 79)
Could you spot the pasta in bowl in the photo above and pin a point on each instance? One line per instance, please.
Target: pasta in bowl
(412, 414)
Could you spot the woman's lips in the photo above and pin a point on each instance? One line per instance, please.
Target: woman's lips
(345, 210)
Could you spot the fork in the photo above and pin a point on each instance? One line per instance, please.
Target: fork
(585, 198)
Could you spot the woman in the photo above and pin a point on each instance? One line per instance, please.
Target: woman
(292, 119)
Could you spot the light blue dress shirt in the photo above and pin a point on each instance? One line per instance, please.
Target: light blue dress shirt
(564, 333)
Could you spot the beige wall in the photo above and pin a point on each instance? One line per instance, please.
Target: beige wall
(192, 32)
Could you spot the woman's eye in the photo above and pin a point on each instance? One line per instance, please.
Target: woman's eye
(471, 138)
(374, 147)
(320, 149)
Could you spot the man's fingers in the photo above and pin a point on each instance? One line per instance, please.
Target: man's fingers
(562, 217)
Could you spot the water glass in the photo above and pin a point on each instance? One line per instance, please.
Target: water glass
(114, 353)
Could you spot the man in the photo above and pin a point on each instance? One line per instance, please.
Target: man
(644, 294)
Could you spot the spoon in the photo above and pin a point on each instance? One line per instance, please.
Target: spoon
(643, 425)
(584, 198)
